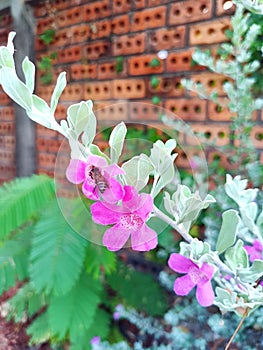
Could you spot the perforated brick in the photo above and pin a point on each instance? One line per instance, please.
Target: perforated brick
(61, 111)
(7, 142)
(193, 109)
(150, 18)
(129, 44)
(213, 134)
(44, 23)
(257, 136)
(95, 50)
(225, 7)
(167, 87)
(120, 25)
(140, 65)
(4, 99)
(221, 157)
(42, 131)
(7, 157)
(211, 81)
(186, 156)
(218, 113)
(180, 61)
(145, 111)
(73, 92)
(98, 90)
(100, 29)
(70, 16)
(165, 39)
(7, 128)
(209, 32)
(46, 161)
(70, 54)
(3, 35)
(139, 4)
(108, 70)
(121, 6)
(111, 111)
(129, 88)
(190, 11)
(97, 9)
(7, 172)
(45, 92)
(7, 114)
(83, 71)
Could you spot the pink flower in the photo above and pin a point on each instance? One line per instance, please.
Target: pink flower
(97, 177)
(95, 341)
(254, 251)
(129, 220)
(195, 276)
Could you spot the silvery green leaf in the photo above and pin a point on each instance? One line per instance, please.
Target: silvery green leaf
(251, 67)
(6, 58)
(94, 149)
(15, 88)
(116, 141)
(64, 125)
(81, 119)
(60, 86)
(253, 273)
(40, 112)
(235, 189)
(166, 177)
(259, 223)
(248, 215)
(137, 171)
(236, 256)
(29, 72)
(170, 205)
(258, 103)
(10, 44)
(227, 235)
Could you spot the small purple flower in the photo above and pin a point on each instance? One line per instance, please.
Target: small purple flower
(97, 177)
(116, 315)
(129, 221)
(255, 251)
(95, 340)
(195, 276)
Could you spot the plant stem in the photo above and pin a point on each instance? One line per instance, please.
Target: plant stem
(238, 328)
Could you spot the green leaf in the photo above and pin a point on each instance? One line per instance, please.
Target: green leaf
(15, 88)
(14, 259)
(29, 72)
(137, 171)
(75, 311)
(253, 273)
(149, 296)
(248, 215)
(100, 327)
(22, 198)
(116, 141)
(39, 330)
(228, 231)
(57, 255)
(99, 258)
(40, 112)
(60, 86)
(236, 257)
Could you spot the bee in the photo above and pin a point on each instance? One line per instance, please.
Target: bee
(99, 179)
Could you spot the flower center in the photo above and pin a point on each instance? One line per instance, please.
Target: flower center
(131, 222)
(197, 275)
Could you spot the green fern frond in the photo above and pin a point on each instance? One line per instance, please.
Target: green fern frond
(22, 198)
(74, 312)
(149, 296)
(57, 254)
(25, 303)
(39, 331)
(100, 327)
(99, 258)
(14, 259)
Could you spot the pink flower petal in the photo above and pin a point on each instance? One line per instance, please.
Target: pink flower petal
(145, 206)
(257, 245)
(205, 294)
(183, 285)
(75, 172)
(97, 161)
(180, 263)
(131, 198)
(114, 192)
(115, 238)
(103, 215)
(89, 190)
(113, 170)
(208, 271)
(144, 239)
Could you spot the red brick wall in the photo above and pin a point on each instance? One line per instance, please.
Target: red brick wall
(91, 35)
